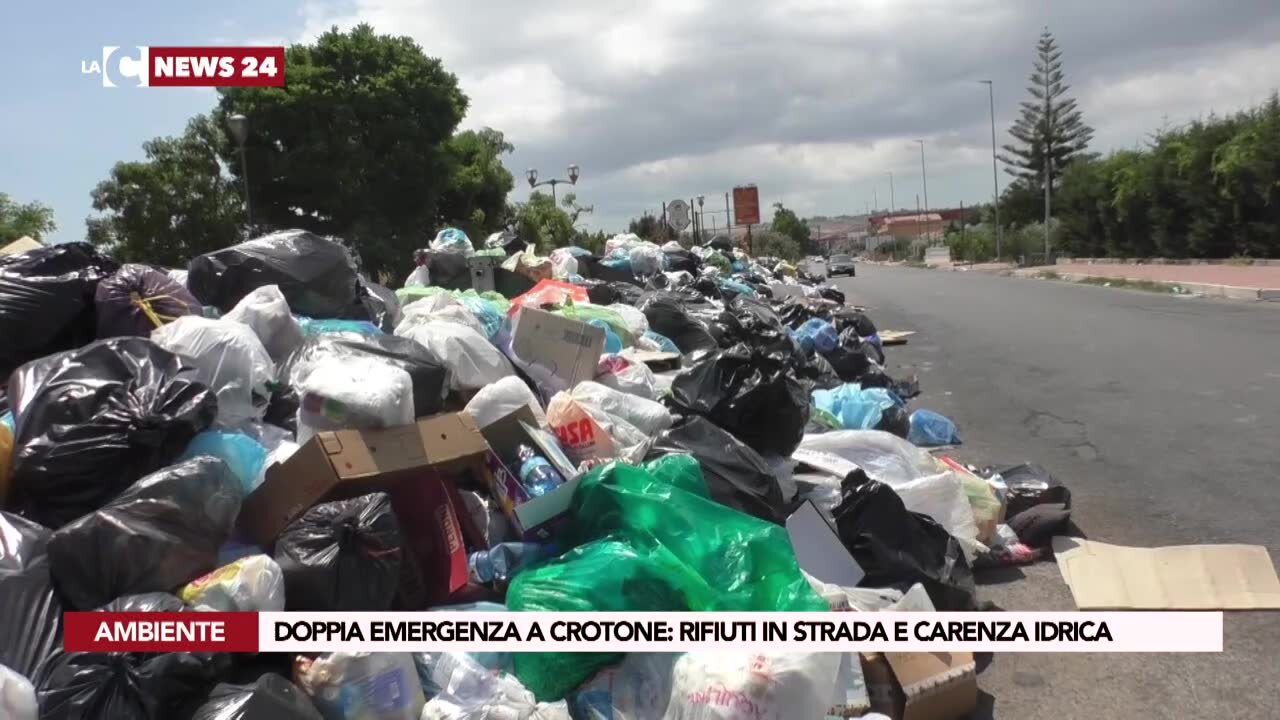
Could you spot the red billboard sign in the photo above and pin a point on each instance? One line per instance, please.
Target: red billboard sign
(746, 205)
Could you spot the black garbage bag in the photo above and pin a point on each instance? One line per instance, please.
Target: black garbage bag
(895, 420)
(667, 316)
(511, 284)
(1030, 485)
(342, 555)
(137, 299)
(736, 475)
(856, 319)
(898, 548)
(708, 288)
(817, 371)
(828, 292)
(749, 320)
(146, 602)
(125, 686)
(271, 697)
(90, 422)
(30, 611)
(601, 292)
(723, 244)
(317, 276)
(161, 533)
(678, 260)
(448, 270)
(377, 304)
(430, 378)
(752, 394)
(46, 301)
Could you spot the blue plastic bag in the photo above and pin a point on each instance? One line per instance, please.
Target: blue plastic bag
(930, 429)
(322, 326)
(7, 420)
(487, 313)
(856, 407)
(735, 286)
(612, 343)
(243, 455)
(664, 343)
(818, 334)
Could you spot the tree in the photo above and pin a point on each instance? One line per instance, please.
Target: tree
(775, 244)
(357, 145)
(30, 219)
(646, 226)
(475, 198)
(540, 223)
(172, 206)
(1050, 125)
(786, 222)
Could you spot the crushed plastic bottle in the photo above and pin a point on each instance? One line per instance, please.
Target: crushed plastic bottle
(500, 562)
(537, 474)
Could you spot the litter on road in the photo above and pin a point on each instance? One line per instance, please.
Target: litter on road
(658, 428)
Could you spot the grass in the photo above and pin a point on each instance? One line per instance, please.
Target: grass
(1048, 275)
(1147, 285)
(1239, 260)
(919, 265)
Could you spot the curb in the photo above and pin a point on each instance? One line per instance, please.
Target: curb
(1230, 292)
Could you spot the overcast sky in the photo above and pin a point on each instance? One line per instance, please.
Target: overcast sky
(815, 101)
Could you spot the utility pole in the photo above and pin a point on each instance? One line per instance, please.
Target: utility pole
(875, 193)
(924, 177)
(728, 219)
(1048, 168)
(893, 202)
(995, 177)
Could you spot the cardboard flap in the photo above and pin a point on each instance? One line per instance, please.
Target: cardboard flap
(569, 349)
(937, 685)
(1187, 577)
(818, 549)
(450, 439)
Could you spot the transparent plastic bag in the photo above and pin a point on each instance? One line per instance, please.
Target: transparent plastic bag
(496, 401)
(452, 240)
(943, 498)
(629, 376)
(229, 358)
(884, 456)
(357, 392)
(244, 456)
(420, 277)
(469, 691)
(648, 416)
(17, 696)
(437, 307)
(636, 322)
(638, 688)
(647, 260)
(250, 584)
(362, 686)
(472, 360)
(267, 313)
(563, 264)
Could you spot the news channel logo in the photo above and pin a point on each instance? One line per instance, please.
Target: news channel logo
(119, 68)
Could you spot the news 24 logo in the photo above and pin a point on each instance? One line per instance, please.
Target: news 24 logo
(156, 66)
(119, 67)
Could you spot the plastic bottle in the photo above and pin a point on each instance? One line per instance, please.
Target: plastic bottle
(537, 474)
(502, 561)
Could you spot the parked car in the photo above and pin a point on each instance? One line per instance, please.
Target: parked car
(840, 265)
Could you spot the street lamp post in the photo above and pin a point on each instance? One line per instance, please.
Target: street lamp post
(893, 201)
(995, 177)
(924, 177)
(239, 126)
(532, 176)
(701, 219)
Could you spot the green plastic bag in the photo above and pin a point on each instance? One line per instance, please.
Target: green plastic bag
(653, 541)
(413, 293)
(588, 312)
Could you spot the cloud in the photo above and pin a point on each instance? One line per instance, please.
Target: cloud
(816, 101)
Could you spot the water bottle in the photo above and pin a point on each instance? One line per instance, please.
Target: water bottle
(501, 561)
(537, 474)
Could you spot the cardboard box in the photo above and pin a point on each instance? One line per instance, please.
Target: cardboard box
(1188, 577)
(568, 349)
(921, 686)
(535, 519)
(411, 463)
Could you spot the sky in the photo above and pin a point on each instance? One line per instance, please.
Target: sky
(814, 101)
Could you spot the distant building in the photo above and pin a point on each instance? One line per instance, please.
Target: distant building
(924, 227)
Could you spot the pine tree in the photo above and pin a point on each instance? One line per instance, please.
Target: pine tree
(1051, 121)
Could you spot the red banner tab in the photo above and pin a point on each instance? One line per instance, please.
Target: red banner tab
(215, 66)
(160, 632)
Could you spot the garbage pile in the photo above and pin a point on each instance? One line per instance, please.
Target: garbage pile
(688, 419)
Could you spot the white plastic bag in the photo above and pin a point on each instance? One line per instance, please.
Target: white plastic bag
(563, 264)
(502, 398)
(621, 241)
(647, 259)
(636, 322)
(340, 686)
(942, 497)
(17, 696)
(228, 357)
(671, 246)
(745, 686)
(638, 688)
(469, 691)
(420, 277)
(634, 379)
(883, 456)
(859, 599)
(647, 416)
(353, 392)
(250, 584)
(472, 360)
(581, 435)
(178, 276)
(437, 307)
(453, 240)
(267, 313)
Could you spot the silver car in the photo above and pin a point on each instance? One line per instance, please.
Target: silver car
(840, 265)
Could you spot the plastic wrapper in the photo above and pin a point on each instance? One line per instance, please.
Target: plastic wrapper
(271, 697)
(17, 696)
(667, 315)
(751, 394)
(736, 475)
(342, 555)
(162, 532)
(316, 276)
(46, 301)
(742, 686)
(362, 686)
(452, 240)
(251, 584)
(266, 312)
(629, 376)
(228, 358)
(648, 416)
(496, 401)
(137, 299)
(30, 611)
(472, 360)
(637, 688)
(92, 421)
(430, 376)
(898, 548)
(438, 307)
(359, 392)
(125, 686)
(244, 455)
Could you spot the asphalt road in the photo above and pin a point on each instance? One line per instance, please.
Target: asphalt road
(1161, 413)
